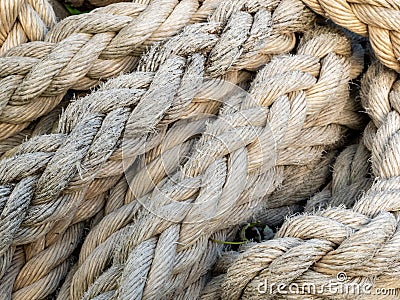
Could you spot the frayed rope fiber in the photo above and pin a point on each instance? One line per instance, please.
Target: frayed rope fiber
(53, 183)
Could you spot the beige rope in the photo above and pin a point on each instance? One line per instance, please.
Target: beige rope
(83, 160)
(81, 50)
(377, 19)
(299, 184)
(98, 3)
(24, 20)
(174, 255)
(362, 243)
(350, 180)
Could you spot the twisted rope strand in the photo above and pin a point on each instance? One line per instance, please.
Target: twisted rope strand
(24, 20)
(350, 172)
(350, 180)
(178, 220)
(362, 242)
(88, 143)
(78, 52)
(377, 19)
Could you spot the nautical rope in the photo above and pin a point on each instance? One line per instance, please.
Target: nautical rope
(80, 51)
(350, 180)
(357, 246)
(379, 20)
(168, 236)
(56, 172)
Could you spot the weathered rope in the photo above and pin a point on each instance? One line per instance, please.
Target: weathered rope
(44, 125)
(380, 20)
(234, 164)
(24, 20)
(80, 51)
(350, 180)
(362, 243)
(55, 173)
(299, 184)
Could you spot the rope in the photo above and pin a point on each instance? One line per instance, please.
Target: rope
(299, 184)
(360, 243)
(379, 20)
(99, 3)
(55, 173)
(350, 180)
(167, 243)
(24, 20)
(80, 51)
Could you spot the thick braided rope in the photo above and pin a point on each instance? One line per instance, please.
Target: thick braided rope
(174, 256)
(380, 20)
(61, 168)
(24, 20)
(81, 50)
(99, 3)
(362, 242)
(350, 171)
(302, 182)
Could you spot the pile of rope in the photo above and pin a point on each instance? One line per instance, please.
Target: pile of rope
(227, 112)
(237, 162)
(64, 176)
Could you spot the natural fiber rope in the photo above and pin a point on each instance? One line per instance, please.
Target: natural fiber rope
(362, 242)
(99, 3)
(173, 256)
(299, 184)
(81, 50)
(44, 125)
(24, 20)
(205, 4)
(380, 20)
(55, 173)
(350, 180)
